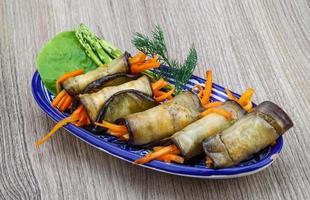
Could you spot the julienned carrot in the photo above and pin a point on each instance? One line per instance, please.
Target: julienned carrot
(200, 90)
(137, 68)
(73, 118)
(159, 84)
(124, 137)
(273, 143)
(157, 148)
(121, 129)
(213, 104)
(158, 93)
(171, 157)
(66, 76)
(219, 111)
(230, 95)
(154, 155)
(164, 96)
(58, 98)
(66, 104)
(208, 88)
(248, 106)
(246, 96)
(138, 58)
(209, 162)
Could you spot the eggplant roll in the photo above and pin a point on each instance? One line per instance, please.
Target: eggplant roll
(76, 85)
(94, 102)
(163, 120)
(124, 103)
(189, 140)
(248, 135)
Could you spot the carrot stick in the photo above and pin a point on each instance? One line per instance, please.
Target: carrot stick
(273, 143)
(154, 155)
(230, 95)
(157, 148)
(165, 96)
(209, 162)
(124, 137)
(61, 101)
(67, 76)
(171, 157)
(213, 104)
(113, 127)
(246, 96)
(159, 84)
(219, 111)
(208, 88)
(58, 98)
(158, 93)
(138, 58)
(67, 102)
(200, 90)
(248, 106)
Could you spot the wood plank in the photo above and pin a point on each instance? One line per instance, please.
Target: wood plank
(262, 44)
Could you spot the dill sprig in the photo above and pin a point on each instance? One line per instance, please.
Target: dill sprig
(181, 73)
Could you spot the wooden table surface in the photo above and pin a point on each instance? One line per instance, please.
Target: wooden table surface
(264, 44)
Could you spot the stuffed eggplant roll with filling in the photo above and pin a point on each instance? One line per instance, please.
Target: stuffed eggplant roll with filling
(94, 102)
(163, 120)
(248, 135)
(77, 84)
(189, 140)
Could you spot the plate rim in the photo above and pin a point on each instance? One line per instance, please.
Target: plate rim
(170, 168)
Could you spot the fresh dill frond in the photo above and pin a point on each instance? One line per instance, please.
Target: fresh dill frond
(157, 45)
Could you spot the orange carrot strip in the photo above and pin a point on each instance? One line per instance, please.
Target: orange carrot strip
(165, 96)
(273, 143)
(158, 93)
(171, 157)
(135, 69)
(208, 88)
(200, 90)
(248, 106)
(219, 111)
(75, 116)
(66, 76)
(58, 98)
(159, 84)
(154, 155)
(246, 96)
(67, 102)
(230, 95)
(157, 148)
(138, 58)
(213, 104)
(209, 162)
(60, 124)
(124, 137)
(113, 127)
(61, 101)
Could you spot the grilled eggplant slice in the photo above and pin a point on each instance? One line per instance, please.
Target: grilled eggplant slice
(189, 140)
(248, 135)
(124, 103)
(163, 120)
(76, 85)
(94, 102)
(110, 80)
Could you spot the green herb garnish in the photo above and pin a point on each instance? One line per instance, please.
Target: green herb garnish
(157, 45)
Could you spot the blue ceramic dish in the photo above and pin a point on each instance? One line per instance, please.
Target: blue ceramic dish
(120, 149)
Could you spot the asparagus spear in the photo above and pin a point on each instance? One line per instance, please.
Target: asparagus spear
(88, 49)
(93, 41)
(113, 51)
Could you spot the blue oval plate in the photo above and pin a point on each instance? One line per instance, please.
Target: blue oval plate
(120, 149)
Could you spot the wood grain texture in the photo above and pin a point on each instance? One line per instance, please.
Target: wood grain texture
(264, 44)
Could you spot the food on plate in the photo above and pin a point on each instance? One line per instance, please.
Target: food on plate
(163, 120)
(247, 136)
(94, 102)
(189, 139)
(142, 102)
